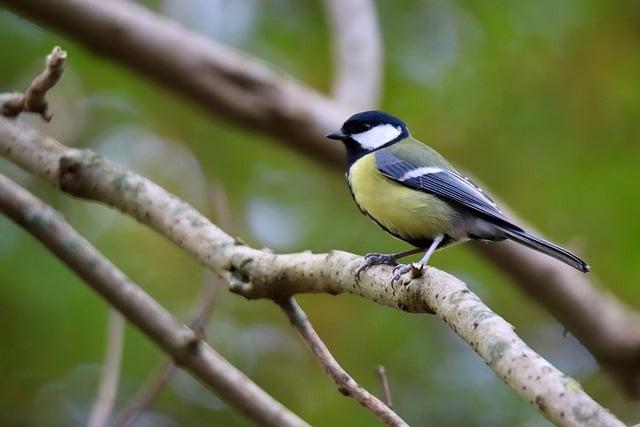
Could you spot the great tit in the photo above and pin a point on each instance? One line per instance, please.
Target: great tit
(412, 192)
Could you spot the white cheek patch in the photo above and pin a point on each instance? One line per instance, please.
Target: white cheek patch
(377, 136)
(419, 172)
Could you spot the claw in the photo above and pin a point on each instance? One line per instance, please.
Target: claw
(400, 270)
(372, 259)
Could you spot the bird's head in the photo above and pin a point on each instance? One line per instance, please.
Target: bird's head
(370, 130)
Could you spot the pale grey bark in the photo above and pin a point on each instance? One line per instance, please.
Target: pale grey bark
(32, 100)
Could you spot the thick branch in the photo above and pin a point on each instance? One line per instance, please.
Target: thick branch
(346, 384)
(262, 274)
(245, 90)
(222, 80)
(185, 346)
(33, 99)
(357, 51)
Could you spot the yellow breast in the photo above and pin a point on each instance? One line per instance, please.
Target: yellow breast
(407, 213)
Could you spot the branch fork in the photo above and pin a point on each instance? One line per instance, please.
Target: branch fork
(33, 100)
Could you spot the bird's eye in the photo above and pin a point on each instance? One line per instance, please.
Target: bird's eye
(366, 126)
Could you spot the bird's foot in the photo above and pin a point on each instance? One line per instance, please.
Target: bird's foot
(376, 259)
(415, 268)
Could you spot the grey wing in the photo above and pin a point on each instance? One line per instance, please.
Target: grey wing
(448, 184)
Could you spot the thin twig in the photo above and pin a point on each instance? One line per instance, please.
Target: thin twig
(145, 396)
(33, 99)
(346, 384)
(245, 90)
(384, 385)
(183, 344)
(108, 389)
(220, 206)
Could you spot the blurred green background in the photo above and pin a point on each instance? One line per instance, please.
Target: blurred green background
(540, 99)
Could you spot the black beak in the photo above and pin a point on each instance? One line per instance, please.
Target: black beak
(336, 134)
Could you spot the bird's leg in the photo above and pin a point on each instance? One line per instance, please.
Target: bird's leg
(372, 259)
(401, 269)
(407, 253)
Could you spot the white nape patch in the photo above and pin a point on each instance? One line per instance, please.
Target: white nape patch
(419, 172)
(377, 137)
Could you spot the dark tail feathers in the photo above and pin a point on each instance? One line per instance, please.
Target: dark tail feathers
(545, 247)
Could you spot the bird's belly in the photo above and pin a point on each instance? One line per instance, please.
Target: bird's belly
(407, 213)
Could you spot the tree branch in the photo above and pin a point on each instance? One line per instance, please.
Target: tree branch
(108, 389)
(384, 385)
(346, 384)
(147, 394)
(185, 346)
(156, 381)
(151, 388)
(358, 52)
(33, 99)
(248, 92)
(609, 329)
(262, 274)
(222, 80)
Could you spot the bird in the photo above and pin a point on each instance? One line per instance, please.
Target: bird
(415, 194)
